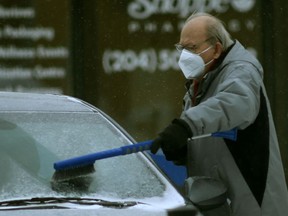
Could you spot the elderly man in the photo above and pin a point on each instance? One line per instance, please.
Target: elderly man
(225, 90)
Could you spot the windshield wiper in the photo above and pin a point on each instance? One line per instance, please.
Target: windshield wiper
(71, 200)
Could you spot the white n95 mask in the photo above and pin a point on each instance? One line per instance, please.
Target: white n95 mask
(191, 64)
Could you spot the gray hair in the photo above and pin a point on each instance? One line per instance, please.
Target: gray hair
(215, 30)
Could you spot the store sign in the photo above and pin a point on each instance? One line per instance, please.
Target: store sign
(143, 9)
(165, 18)
(149, 60)
(33, 47)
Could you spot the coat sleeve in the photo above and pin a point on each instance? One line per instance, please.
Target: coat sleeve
(232, 100)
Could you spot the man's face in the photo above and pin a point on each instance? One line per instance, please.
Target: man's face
(194, 38)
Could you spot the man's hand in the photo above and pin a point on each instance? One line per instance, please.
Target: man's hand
(173, 140)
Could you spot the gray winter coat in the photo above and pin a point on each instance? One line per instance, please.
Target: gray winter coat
(234, 96)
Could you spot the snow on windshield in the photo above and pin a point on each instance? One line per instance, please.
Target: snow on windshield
(65, 135)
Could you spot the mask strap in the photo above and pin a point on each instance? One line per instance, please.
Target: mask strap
(209, 62)
(204, 50)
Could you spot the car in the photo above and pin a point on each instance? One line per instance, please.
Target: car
(39, 130)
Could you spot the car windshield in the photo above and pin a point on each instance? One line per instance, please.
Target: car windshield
(29, 142)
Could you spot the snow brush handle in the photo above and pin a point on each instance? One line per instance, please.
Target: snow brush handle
(128, 149)
(91, 158)
(139, 147)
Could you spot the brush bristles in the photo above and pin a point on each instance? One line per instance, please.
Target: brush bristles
(77, 179)
(73, 173)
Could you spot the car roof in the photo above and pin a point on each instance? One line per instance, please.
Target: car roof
(18, 101)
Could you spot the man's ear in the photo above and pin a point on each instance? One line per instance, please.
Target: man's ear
(218, 50)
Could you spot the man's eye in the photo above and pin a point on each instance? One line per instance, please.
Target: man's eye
(191, 48)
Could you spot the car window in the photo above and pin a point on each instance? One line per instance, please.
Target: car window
(30, 141)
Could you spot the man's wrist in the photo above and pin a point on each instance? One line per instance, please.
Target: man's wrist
(184, 125)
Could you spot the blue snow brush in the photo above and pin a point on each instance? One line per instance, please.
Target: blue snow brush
(84, 165)
(231, 135)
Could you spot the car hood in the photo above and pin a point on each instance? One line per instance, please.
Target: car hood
(139, 210)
